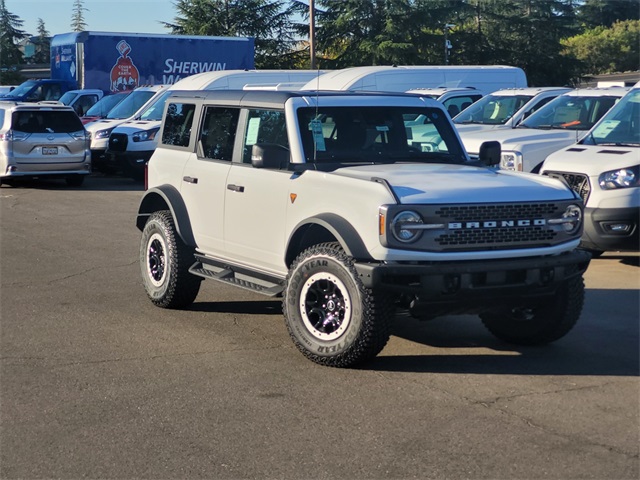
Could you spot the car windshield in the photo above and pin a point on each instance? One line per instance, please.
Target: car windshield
(130, 105)
(155, 110)
(105, 104)
(22, 89)
(68, 97)
(378, 135)
(620, 126)
(568, 112)
(492, 109)
(46, 121)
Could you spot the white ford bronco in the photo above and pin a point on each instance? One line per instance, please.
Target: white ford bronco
(332, 201)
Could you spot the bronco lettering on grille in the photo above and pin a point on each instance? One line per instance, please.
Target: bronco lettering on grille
(538, 222)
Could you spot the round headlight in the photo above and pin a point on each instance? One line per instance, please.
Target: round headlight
(572, 217)
(404, 226)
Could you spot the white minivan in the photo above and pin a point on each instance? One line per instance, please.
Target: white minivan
(132, 143)
(604, 169)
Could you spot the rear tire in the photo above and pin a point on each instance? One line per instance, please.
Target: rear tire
(539, 324)
(164, 263)
(75, 180)
(331, 317)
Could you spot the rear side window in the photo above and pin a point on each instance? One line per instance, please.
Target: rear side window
(264, 126)
(46, 121)
(177, 124)
(219, 132)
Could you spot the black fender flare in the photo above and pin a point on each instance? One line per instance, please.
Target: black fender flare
(339, 227)
(167, 197)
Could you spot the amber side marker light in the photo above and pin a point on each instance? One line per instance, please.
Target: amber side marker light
(381, 224)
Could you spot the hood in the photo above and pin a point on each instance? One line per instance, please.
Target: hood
(133, 126)
(102, 124)
(592, 160)
(476, 127)
(517, 136)
(424, 183)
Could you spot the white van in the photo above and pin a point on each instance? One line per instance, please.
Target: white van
(135, 103)
(455, 100)
(404, 78)
(133, 142)
(604, 169)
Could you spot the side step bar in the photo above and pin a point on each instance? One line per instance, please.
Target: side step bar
(243, 278)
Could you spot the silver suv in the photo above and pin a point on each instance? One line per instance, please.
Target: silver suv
(43, 139)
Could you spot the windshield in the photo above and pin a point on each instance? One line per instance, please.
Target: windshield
(130, 105)
(621, 125)
(568, 112)
(68, 97)
(22, 89)
(154, 112)
(493, 109)
(378, 134)
(105, 104)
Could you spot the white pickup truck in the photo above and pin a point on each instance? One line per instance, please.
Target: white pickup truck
(332, 201)
(559, 123)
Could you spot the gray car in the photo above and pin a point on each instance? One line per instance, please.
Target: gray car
(43, 140)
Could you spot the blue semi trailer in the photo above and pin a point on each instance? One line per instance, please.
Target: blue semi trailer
(117, 62)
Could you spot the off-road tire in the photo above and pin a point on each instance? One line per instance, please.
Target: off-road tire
(539, 324)
(165, 262)
(331, 317)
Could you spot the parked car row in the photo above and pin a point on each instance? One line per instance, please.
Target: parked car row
(530, 123)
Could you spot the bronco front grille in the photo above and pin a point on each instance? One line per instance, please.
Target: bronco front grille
(497, 226)
(578, 182)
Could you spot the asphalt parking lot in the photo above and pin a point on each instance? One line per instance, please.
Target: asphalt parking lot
(95, 382)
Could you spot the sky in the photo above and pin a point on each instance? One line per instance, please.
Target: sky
(130, 16)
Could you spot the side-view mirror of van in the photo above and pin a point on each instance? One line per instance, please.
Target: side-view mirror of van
(490, 153)
(271, 155)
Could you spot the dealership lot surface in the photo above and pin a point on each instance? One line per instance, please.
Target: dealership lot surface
(96, 382)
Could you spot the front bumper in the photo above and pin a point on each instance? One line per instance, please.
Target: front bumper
(132, 163)
(475, 283)
(604, 229)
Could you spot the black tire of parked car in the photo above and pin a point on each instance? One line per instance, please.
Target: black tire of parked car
(165, 262)
(331, 317)
(75, 180)
(540, 324)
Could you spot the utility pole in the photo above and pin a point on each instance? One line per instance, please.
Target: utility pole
(447, 42)
(312, 34)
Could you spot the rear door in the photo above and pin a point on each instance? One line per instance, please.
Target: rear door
(47, 136)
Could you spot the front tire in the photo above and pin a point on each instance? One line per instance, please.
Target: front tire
(332, 318)
(539, 324)
(165, 262)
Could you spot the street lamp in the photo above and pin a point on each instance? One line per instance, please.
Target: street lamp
(447, 42)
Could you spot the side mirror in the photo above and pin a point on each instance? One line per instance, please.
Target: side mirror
(490, 153)
(270, 155)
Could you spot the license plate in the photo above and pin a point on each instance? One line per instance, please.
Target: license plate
(49, 150)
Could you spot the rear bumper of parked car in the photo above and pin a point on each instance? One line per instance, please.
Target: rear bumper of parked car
(39, 169)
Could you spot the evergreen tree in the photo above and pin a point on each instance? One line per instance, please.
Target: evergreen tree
(268, 22)
(78, 23)
(43, 44)
(10, 35)
(604, 13)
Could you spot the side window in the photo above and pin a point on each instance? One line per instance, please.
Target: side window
(177, 124)
(219, 132)
(264, 126)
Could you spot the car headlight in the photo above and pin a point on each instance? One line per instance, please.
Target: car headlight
(145, 136)
(103, 133)
(511, 161)
(406, 226)
(571, 219)
(621, 178)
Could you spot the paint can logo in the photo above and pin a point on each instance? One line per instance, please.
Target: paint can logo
(124, 74)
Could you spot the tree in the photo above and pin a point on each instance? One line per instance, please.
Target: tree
(607, 50)
(78, 23)
(268, 22)
(604, 13)
(10, 35)
(43, 44)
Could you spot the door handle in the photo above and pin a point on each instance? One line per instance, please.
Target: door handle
(235, 188)
(190, 179)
